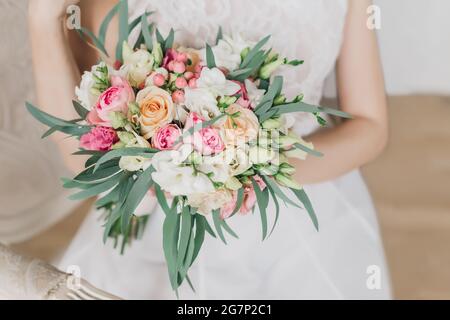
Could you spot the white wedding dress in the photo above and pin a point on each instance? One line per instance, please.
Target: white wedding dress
(296, 262)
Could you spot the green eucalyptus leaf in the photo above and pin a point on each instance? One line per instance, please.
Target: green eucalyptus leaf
(82, 111)
(146, 32)
(254, 51)
(218, 225)
(262, 200)
(97, 189)
(210, 60)
(304, 107)
(303, 197)
(140, 188)
(85, 33)
(123, 28)
(132, 151)
(105, 24)
(308, 150)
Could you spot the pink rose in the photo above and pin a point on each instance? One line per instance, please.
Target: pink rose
(250, 195)
(99, 139)
(207, 141)
(227, 209)
(113, 99)
(165, 137)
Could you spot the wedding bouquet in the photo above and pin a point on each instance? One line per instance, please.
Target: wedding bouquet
(205, 131)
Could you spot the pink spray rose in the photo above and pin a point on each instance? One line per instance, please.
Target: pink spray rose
(207, 141)
(165, 137)
(99, 139)
(114, 99)
(250, 195)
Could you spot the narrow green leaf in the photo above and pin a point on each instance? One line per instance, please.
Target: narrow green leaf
(132, 151)
(160, 38)
(210, 60)
(303, 197)
(185, 235)
(262, 200)
(239, 201)
(97, 189)
(138, 20)
(85, 33)
(200, 228)
(277, 208)
(272, 184)
(162, 200)
(209, 229)
(147, 34)
(171, 229)
(219, 35)
(105, 24)
(123, 28)
(140, 188)
(254, 51)
(82, 111)
(218, 225)
(168, 43)
(228, 229)
(304, 107)
(308, 150)
(46, 118)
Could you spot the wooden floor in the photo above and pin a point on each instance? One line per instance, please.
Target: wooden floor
(410, 184)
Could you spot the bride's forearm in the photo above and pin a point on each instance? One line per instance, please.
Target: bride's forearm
(345, 147)
(56, 75)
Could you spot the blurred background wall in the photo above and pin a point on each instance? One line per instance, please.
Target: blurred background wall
(409, 182)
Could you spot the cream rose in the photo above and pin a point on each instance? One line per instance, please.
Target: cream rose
(208, 202)
(157, 109)
(241, 125)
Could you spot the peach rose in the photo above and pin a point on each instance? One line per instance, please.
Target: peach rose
(242, 127)
(157, 109)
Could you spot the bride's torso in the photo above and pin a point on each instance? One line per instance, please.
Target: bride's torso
(309, 30)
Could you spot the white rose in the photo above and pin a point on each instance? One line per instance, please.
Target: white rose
(208, 202)
(218, 166)
(139, 64)
(202, 102)
(240, 161)
(215, 82)
(85, 93)
(259, 155)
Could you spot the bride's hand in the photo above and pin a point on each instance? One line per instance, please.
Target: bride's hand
(49, 10)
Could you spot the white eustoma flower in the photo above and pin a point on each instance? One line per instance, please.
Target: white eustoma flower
(88, 97)
(202, 102)
(177, 178)
(133, 163)
(254, 94)
(215, 82)
(227, 53)
(218, 166)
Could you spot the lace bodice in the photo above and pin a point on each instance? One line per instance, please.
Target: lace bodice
(310, 30)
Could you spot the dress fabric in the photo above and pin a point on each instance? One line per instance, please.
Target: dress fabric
(296, 262)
